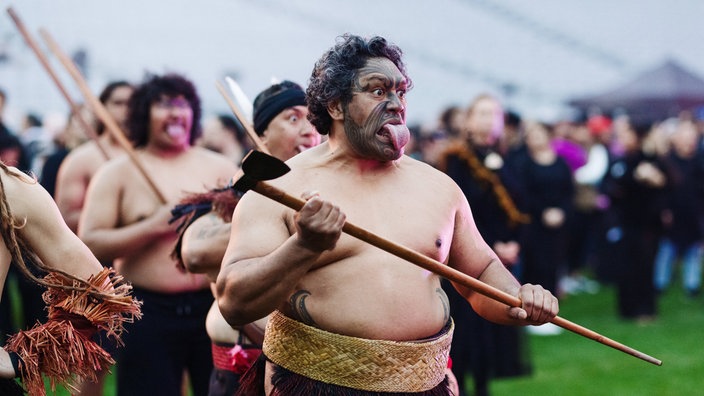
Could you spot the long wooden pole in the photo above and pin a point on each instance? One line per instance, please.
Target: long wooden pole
(447, 272)
(75, 109)
(240, 117)
(100, 110)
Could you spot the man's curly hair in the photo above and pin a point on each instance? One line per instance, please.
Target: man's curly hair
(334, 73)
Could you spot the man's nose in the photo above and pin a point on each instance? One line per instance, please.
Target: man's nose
(395, 103)
(307, 128)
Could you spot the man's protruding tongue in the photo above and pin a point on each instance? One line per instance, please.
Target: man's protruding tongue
(398, 134)
(176, 130)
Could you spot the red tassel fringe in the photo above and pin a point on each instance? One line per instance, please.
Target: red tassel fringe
(61, 349)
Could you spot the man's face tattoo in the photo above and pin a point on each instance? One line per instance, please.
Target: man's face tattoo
(379, 103)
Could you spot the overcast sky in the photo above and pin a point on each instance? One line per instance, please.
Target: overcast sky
(534, 54)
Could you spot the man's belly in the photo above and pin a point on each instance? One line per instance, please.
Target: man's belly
(218, 329)
(373, 308)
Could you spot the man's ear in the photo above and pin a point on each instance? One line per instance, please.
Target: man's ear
(264, 136)
(335, 111)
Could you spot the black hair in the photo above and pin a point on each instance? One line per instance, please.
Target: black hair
(105, 95)
(511, 118)
(33, 120)
(233, 125)
(334, 73)
(151, 91)
(110, 88)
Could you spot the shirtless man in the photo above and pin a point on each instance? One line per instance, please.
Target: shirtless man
(334, 300)
(280, 115)
(81, 163)
(32, 225)
(76, 171)
(123, 220)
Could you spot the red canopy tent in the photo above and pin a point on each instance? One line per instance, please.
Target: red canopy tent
(654, 95)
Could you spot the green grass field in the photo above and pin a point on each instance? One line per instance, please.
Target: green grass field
(569, 364)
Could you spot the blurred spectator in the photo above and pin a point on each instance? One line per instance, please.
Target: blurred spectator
(484, 349)
(698, 118)
(37, 141)
(589, 205)
(512, 138)
(433, 141)
(12, 151)
(451, 121)
(635, 184)
(683, 219)
(549, 190)
(431, 145)
(565, 147)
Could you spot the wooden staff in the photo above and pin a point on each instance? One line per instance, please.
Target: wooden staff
(100, 110)
(75, 109)
(250, 132)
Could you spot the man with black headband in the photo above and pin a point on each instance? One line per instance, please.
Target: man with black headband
(345, 317)
(278, 113)
(280, 117)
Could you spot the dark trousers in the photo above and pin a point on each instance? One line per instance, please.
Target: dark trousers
(169, 339)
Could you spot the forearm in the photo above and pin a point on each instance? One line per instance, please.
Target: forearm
(109, 244)
(74, 258)
(250, 289)
(497, 276)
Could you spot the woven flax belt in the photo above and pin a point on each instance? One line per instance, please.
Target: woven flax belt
(371, 365)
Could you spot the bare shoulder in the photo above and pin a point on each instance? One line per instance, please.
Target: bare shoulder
(426, 180)
(84, 160)
(426, 174)
(78, 160)
(216, 166)
(205, 154)
(116, 171)
(24, 193)
(86, 154)
(212, 160)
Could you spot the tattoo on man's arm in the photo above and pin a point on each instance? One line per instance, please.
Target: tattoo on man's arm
(298, 305)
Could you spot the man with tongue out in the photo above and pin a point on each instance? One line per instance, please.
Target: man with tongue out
(347, 318)
(124, 220)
